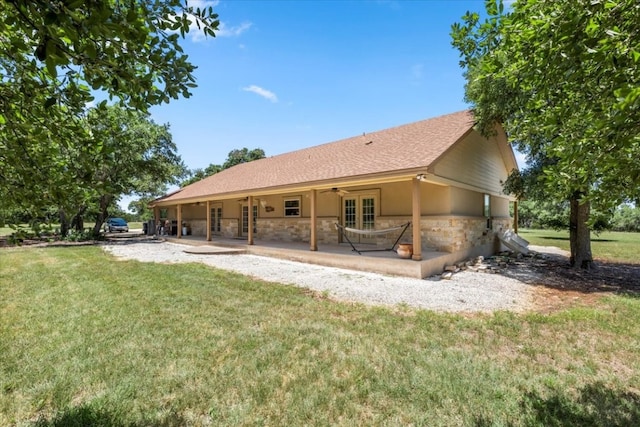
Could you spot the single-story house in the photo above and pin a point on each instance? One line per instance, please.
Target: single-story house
(440, 174)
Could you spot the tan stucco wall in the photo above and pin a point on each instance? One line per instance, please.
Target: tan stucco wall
(466, 202)
(393, 199)
(192, 211)
(396, 199)
(394, 208)
(499, 207)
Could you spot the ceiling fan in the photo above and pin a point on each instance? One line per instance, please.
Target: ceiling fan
(336, 190)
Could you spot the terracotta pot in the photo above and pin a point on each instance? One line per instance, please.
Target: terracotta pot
(405, 250)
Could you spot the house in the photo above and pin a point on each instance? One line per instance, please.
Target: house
(439, 174)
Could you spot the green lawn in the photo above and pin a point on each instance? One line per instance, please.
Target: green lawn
(610, 245)
(87, 340)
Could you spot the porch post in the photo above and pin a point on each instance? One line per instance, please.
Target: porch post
(208, 220)
(314, 219)
(515, 216)
(156, 218)
(179, 220)
(416, 214)
(250, 221)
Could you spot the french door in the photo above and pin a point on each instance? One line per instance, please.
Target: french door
(359, 212)
(216, 219)
(245, 220)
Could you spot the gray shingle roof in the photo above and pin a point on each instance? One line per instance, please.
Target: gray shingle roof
(409, 146)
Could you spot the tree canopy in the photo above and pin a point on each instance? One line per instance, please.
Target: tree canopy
(564, 80)
(56, 56)
(235, 157)
(134, 155)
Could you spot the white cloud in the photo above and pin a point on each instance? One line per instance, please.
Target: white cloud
(196, 34)
(267, 94)
(201, 4)
(225, 31)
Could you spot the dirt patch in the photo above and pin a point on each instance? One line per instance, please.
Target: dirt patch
(558, 285)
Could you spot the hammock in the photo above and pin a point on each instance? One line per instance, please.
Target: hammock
(344, 231)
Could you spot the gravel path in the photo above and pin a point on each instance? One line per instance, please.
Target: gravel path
(465, 292)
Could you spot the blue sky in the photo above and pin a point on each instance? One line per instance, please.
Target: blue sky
(285, 75)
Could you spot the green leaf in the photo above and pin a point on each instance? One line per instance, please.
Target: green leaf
(90, 50)
(50, 102)
(51, 66)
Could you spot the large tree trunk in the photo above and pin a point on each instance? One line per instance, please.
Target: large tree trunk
(77, 223)
(64, 223)
(579, 233)
(103, 213)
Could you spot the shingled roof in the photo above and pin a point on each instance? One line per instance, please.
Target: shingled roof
(406, 147)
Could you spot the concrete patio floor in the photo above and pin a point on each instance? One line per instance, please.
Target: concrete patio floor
(339, 255)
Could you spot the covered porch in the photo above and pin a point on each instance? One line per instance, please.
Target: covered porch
(332, 255)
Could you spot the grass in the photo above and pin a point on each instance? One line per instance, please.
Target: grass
(610, 246)
(87, 340)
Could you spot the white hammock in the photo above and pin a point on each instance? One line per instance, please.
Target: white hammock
(344, 229)
(372, 232)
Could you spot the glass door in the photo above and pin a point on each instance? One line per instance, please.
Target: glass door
(245, 220)
(216, 219)
(359, 212)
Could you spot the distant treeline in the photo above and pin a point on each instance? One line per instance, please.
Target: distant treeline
(553, 216)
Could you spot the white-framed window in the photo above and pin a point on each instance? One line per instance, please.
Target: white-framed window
(292, 207)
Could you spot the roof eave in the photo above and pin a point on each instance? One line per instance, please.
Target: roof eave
(375, 179)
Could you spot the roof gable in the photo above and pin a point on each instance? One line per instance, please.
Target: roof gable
(409, 146)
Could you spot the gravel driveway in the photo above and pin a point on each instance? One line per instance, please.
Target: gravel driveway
(464, 292)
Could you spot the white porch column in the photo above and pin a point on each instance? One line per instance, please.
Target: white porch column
(515, 217)
(314, 220)
(179, 219)
(250, 221)
(208, 221)
(416, 214)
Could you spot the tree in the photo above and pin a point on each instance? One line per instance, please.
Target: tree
(54, 56)
(133, 155)
(243, 155)
(235, 157)
(564, 80)
(626, 218)
(199, 174)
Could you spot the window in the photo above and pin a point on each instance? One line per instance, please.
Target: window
(292, 207)
(487, 209)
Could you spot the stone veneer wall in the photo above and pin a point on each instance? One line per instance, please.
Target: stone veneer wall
(452, 234)
(296, 230)
(229, 227)
(198, 227)
(442, 233)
